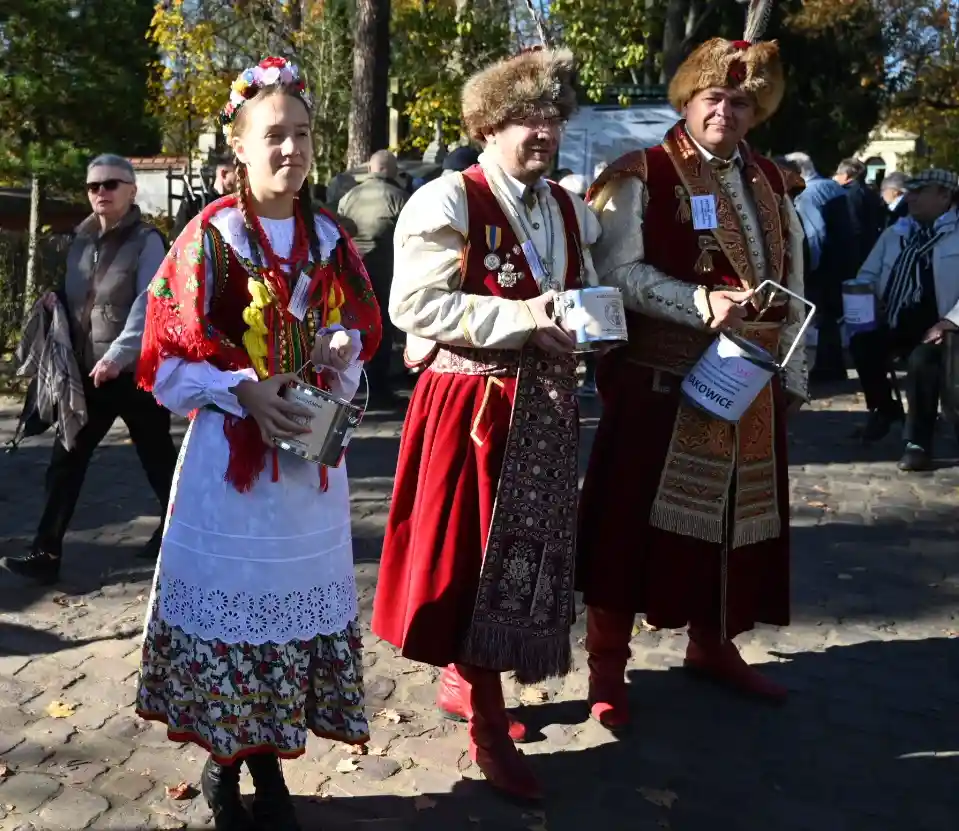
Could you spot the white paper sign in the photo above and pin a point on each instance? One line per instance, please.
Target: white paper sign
(300, 301)
(704, 213)
(859, 309)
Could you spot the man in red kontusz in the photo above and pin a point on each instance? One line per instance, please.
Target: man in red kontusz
(695, 531)
(477, 567)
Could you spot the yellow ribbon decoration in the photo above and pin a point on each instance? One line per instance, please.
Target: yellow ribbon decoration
(255, 337)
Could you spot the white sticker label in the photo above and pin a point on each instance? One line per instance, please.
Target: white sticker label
(347, 435)
(300, 300)
(704, 213)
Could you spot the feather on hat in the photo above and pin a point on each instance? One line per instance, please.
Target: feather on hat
(533, 83)
(751, 65)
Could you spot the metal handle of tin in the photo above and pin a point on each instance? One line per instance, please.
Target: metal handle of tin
(805, 324)
(366, 383)
(364, 378)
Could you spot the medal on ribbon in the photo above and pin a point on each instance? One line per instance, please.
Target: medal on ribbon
(494, 236)
(508, 276)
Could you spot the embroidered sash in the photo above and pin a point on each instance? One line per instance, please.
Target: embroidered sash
(524, 605)
(707, 456)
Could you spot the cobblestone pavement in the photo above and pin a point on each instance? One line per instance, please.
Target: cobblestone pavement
(869, 739)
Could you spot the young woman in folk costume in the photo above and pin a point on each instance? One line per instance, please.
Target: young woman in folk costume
(252, 638)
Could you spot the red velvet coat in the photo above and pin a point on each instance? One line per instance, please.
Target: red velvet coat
(624, 562)
(451, 454)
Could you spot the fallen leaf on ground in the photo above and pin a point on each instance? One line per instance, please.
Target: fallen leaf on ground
(533, 695)
(60, 709)
(391, 716)
(356, 749)
(816, 504)
(377, 751)
(662, 798)
(5, 771)
(68, 602)
(346, 765)
(423, 803)
(141, 598)
(182, 790)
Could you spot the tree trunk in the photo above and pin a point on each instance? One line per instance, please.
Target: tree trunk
(33, 240)
(674, 34)
(368, 105)
(649, 59)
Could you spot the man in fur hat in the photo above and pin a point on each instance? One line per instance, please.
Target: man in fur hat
(684, 516)
(477, 568)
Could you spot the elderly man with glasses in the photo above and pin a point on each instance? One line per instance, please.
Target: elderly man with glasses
(111, 261)
(914, 272)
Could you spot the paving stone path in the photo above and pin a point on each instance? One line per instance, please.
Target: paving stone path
(868, 741)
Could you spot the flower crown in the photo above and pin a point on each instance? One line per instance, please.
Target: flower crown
(267, 73)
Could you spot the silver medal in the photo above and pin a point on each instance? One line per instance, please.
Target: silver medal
(508, 276)
(492, 261)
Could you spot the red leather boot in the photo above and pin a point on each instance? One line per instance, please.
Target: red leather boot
(607, 642)
(491, 747)
(453, 698)
(719, 659)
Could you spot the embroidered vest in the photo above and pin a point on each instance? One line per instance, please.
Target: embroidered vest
(485, 212)
(230, 296)
(674, 172)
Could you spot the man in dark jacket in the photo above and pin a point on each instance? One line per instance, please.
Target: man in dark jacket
(224, 182)
(823, 209)
(109, 265)
(372, 207)
(867, 211)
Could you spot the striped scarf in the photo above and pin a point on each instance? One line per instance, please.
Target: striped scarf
(905, 282)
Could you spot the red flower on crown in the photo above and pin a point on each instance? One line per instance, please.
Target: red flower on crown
(741, 44)
(266, 63)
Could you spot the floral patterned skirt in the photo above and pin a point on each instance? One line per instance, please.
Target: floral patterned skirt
(234, 700)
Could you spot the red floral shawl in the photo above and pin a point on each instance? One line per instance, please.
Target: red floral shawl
(177, 326)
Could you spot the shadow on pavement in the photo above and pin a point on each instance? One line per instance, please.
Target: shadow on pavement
(854, 749)
(826, 437)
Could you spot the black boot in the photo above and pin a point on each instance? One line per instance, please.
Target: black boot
(915, 459)
(220, 786)
(272, 807)
(151, 550)
(39, 566)
(879, 424)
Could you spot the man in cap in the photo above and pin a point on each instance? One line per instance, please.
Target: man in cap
(477, 568)
(913, 270)
(695, 531)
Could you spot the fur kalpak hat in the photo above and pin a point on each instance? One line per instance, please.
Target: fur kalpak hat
(537, 82)
(751, 65)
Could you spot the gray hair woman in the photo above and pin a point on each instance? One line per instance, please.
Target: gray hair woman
(111, 261)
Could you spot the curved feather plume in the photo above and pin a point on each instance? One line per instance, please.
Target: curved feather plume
(757, 19)
(538, 21)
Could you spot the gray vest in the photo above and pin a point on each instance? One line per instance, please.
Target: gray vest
(101, 282)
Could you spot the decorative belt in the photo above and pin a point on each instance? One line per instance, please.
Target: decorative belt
(675, 349)
(500, 363)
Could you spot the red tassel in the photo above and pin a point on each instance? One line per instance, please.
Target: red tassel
(276, 465)
(247, 452)
(324, 479)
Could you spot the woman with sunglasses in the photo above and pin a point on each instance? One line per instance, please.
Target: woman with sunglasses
(110, 263)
